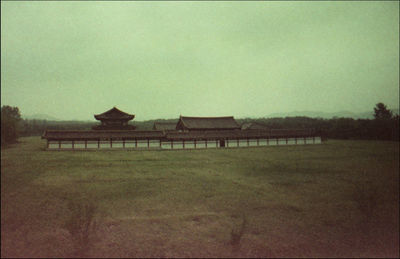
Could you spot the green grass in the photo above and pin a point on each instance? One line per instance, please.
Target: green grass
(338, 199)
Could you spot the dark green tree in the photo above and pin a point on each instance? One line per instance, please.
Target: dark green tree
(384, 124)
(382, 112)
(10, 118)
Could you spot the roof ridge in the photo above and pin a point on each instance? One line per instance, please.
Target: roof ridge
(115, 108)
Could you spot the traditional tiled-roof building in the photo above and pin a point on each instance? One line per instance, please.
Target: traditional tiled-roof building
(114, 119)
(207, 123)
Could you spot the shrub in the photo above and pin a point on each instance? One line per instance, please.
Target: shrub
(81, 224)
(237, 233)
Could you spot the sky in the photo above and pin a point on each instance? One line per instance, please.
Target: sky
(71, 60)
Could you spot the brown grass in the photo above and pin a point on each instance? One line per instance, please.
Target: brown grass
(338, 199)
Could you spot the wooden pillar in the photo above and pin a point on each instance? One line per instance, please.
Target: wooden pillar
(206, 142)
(194, 143)
(248, 142)
(183, 144)
(172, 144)
(135, 143)
(148, 143)
(85, 143)
(73, 144)
(110, 142)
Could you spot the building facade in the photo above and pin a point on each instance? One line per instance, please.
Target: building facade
(187, 124)
(117, 139)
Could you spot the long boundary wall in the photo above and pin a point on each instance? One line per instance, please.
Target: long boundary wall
(177, 144)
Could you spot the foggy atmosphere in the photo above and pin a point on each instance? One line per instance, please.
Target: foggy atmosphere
(200, 129)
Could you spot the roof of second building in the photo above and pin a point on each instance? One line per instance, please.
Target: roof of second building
(241, 134)
(208, 122)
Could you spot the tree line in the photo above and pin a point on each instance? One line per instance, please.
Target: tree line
(384, 126)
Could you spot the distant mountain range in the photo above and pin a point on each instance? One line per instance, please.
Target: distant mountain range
(328, 115)
(40, 117)
(311, 114)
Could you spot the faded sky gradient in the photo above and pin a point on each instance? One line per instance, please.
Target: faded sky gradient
(71, 60)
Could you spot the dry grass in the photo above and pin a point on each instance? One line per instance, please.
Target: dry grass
(81, 224)
(339, 199)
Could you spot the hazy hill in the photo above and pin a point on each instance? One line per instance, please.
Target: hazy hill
(328, 115)
(40, 117)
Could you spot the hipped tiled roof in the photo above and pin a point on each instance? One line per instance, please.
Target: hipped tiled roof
(235, 134)
(210, 134)
(114, 127)
(101, 134)
(113, 114)
(206, 123)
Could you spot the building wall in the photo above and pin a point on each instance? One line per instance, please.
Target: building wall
(200, 144)
(188, 144)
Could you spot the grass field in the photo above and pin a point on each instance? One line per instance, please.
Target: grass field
(338, 199)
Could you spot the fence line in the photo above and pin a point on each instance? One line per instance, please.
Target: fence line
(178, 144)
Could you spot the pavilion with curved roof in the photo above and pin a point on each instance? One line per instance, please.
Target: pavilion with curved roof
(114, 119)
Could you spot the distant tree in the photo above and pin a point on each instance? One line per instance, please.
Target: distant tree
(382, 112)
(395, 127)
(10, 118)
(385, 124)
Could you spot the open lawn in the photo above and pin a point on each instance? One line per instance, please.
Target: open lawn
(338, 199)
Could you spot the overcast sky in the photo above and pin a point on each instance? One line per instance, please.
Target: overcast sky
(74, 59)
